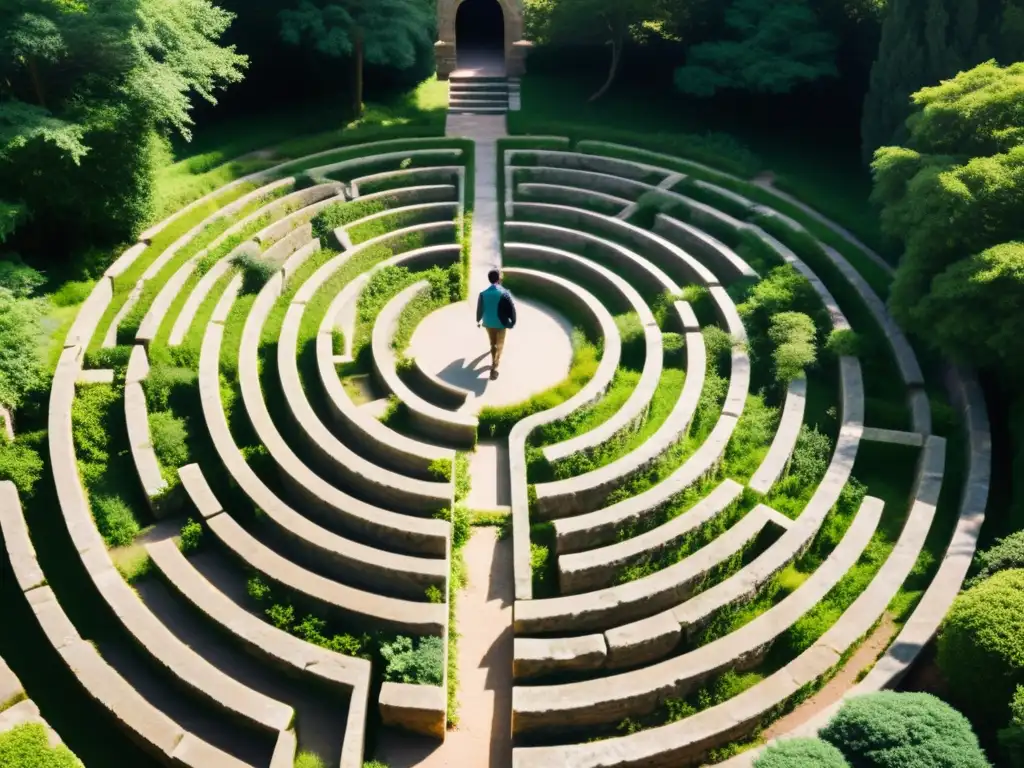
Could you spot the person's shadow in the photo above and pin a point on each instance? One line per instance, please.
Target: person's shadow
(466, 374)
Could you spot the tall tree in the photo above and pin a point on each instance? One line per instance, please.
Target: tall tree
(954, 195)
(83, 88)
(925, 42)
(589, 22)
(777, 45)
(382, 32)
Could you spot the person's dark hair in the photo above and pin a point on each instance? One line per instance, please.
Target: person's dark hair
(494, 276)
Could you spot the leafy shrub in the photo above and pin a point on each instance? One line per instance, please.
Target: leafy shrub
(28, 746)
(165, 383)
(674, 348)
(19, 278)
(21, 462)
(257, 588)
(169, 436)
(782, 290)
(634, 348)
(256, 270)
(1011, 738)
(463, 482)
(718, 345)
(421, 665)
(904, 730)
(115, 520)
(281, 616)
(461, 526)
(793, 336)
(434, 594)
(191, 536)
(71, 293)
(981, 645)
(20, 360)
(801, 753)
(308, 760)
(1004, 554)
(340, 214)
(844, 342)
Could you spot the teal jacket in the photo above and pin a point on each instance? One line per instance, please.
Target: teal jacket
(496, 308)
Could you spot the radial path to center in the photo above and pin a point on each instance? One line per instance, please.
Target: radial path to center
(449, 344)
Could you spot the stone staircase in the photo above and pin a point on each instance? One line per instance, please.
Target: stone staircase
(478, 95)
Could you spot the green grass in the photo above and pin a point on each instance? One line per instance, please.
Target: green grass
(27, 746)
(497, 421)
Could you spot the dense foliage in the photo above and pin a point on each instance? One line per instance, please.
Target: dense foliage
(903, 730)
(953, 195)
(925, 42)
(384, 32)
(419, 663)
(801, 753)
(27, 746)
(1011, 738)
(86, 92)
(1003, 555)
(981, 645)
(774, 47)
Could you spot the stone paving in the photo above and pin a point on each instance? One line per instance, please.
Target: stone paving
(537, 354)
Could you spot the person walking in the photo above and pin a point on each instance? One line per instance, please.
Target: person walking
(496, 312)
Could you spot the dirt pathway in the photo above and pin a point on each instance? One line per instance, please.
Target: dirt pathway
(483, 737)
(835, 688)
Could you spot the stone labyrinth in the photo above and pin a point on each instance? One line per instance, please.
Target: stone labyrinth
(327, 459)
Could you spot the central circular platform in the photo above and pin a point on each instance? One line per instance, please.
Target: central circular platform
(537, 355)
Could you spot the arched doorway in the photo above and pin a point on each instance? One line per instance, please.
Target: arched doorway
(480, 35)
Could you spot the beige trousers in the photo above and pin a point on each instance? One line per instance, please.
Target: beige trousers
(497, 338)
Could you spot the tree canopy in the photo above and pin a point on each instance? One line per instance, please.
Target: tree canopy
(383, 32)
(953, 195)
(583, 22)
(83, 89)
(775, 45)
(926, 41)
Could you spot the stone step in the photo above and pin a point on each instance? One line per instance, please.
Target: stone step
(462, 103)
(487, 95)
(468, 85)
(477, 79)
(479, 110)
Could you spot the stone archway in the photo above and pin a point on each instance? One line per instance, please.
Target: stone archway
(515, 47)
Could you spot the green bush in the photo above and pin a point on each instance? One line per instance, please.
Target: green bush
(191, 536)
(19, 278)
(801, 753)
(844, 342)
(421, 665)
(71, 293)
(903, 730)
(981, 645)
(169, 435)
(718, 345)
(165, 383)
(1011, 738)
(20, 359)
(21, 462)
(1003, 555)
(115, 520)
(308, 760)
(27, 746)
(793, 335)
(256, 270)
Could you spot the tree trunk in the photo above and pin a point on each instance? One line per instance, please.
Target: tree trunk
(357, 85)
(613, 70)
(37, 83)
